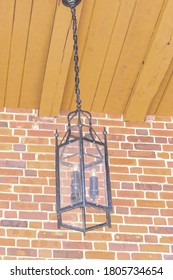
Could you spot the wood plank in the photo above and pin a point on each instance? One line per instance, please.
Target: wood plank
(37, 52)
(6, 24)
(58, 46)
(112, 58)
(83, 28)
(138, 37)
(96, 47)
(65, 63)
(18, 52)
(165, 107)
(161, 91)
(157, 63)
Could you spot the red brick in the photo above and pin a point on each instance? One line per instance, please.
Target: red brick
(142, 131)
(123, 256)
(123, 177)
(77, 245)
(9, 139)
(28, 189)
(123, 247)
(148, 186)
(127, 186)
(100, 255)
(133, 229)
(151, 239)
(10, 214)
(11, 172)
(152, 195)
(67, 254)
(7, 242)
(21, 233)
(154, 179)
(151, 203)
(146, 256)
(144, 211)
(154, 248)
(129, 238)
(40, 133)
(138, 220)
(45, 253)
(122, 161)
(166, 195)
(157, 171)
(160, 221)
(166, 239)
(33, 181)
(166, 212)
(8, 196)
(52, 235)
(23, 243)
(33, 215)
(140, 139)
(45, 244)
(130, 194)
(123, 202)
(22, 252)
(161, 230)
(14, 223)
(100, 246)
(98, 236)
(141, 154)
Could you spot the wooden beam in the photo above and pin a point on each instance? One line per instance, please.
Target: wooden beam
(118, 37)
(96, 47)
(155, 105)
(37, 51)
(154, 69)
(165, 107)
(18, 52)
(6, 24)
(139, 34)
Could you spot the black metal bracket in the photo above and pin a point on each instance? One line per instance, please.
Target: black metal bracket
(71, 3)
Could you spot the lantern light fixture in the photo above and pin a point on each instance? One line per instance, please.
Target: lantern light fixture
(83, 189)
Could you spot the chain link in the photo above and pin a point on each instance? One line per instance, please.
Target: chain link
(76, 58)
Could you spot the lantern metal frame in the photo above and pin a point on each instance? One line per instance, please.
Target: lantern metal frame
(83, 122)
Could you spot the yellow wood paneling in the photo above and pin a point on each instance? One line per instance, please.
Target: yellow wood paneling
(6, 25)
(139, 35)
(83, 27)
(65, 63)
(55, 56)
(125, 56)
(155, 67)
(38, 45)
(98, 39)
(112, 58)
(18, 51)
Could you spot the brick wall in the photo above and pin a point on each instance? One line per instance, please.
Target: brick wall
(142, 188)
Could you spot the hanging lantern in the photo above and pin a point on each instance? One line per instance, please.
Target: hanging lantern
(82, 170)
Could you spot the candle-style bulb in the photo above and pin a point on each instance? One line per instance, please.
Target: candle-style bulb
(75, 185)
(94, 191)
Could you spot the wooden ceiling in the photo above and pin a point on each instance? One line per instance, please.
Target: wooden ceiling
(125, 50)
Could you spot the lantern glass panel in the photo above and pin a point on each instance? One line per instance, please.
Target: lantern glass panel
(70, 178)
(95, 181)
(73, 218)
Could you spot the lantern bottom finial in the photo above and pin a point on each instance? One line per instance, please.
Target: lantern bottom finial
(71, 3)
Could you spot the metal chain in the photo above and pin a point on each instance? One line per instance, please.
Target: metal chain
(76, 58)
